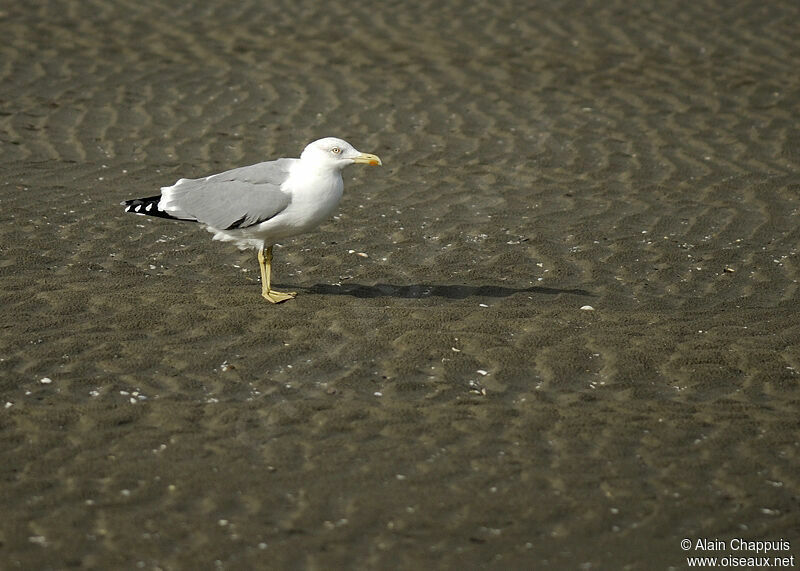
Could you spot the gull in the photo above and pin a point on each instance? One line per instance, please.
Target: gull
(257, 205)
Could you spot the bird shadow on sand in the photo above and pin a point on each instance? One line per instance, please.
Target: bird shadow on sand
(420, 291)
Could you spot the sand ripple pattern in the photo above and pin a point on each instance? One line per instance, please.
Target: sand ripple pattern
(443, 402)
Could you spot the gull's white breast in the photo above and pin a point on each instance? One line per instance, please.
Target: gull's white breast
(315, 194)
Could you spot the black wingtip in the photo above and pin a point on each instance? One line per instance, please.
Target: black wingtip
(149, 207)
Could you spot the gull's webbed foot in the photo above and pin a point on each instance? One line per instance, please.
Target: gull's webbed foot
(278, 296)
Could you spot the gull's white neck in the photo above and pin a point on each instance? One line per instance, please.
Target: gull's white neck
(322, 178)
(320, 166)
(315, 186)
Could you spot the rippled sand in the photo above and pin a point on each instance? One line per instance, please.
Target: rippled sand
(443, 401)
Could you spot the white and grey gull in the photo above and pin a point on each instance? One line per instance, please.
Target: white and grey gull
(257, 205)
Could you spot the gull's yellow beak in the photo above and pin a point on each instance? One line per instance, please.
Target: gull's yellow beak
(367, 159)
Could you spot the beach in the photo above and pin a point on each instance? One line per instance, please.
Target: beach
(558, 328)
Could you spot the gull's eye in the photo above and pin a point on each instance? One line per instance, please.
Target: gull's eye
(336, 150)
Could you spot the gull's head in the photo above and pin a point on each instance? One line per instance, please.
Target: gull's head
(336, 153)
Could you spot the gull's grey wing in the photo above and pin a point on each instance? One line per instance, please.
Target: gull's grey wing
(237, 198)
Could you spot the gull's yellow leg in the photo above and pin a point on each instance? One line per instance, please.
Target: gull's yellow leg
(265, 261)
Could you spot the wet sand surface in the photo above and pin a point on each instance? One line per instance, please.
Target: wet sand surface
(444, 401)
